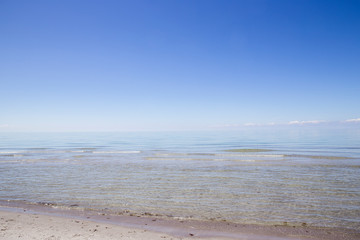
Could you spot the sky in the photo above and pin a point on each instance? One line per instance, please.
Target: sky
(142, 65)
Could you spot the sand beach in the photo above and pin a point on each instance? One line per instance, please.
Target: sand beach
(55, 224)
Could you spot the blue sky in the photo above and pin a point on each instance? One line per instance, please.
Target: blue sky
(177, 65)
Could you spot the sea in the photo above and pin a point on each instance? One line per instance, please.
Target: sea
(295, 176)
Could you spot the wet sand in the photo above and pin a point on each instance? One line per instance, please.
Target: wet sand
(48, 223)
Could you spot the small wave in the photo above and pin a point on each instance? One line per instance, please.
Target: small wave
(171, 154)
(44, 151)
(317, 157)
(225, 155)
(252, 155)
(77, 151)
(186, 159)
(80, 150)
(38, 149)
(175, 158)
(248, 150)
(237, 160)
(117, 152)
(203, 159)
(12, 152)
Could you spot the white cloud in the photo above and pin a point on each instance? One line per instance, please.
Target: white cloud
(291, 123)
(294, 122)
(353, 120)
(305, 122)
(4, 125)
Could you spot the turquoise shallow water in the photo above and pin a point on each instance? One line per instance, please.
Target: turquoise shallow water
(262, 176)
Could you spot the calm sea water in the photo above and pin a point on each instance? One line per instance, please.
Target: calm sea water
(263, 176)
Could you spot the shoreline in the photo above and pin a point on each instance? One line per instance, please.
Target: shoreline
(26, 220)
